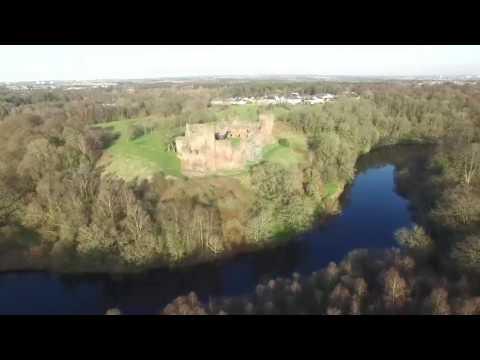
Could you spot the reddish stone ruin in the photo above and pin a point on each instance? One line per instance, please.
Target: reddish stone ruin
(212, 147)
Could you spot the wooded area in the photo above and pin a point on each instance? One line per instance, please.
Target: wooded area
(52, 185)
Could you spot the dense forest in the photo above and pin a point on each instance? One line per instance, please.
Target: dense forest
(436, 268)
(434, 271)
(59, 210)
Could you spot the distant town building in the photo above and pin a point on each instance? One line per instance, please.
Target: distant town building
(291, 99)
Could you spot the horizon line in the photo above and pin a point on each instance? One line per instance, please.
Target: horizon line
(227, 76)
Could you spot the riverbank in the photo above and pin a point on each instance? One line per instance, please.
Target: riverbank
(40, 258)
(234, 275)
(34, 258)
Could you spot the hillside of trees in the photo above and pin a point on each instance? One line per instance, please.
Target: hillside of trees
(435, 270)
(57, 210)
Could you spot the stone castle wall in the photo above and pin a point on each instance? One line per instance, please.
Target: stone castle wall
(200, 153)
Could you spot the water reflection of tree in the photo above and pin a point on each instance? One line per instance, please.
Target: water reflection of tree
(82, 288)
(152, 290)
(145, 292)
(279, 261)
(407, 178)
(345, 199)
(286, 259)
(399, 156)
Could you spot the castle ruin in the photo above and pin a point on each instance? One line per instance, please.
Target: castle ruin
(212, 147)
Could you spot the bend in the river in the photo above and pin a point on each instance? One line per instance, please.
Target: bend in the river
(372, 211)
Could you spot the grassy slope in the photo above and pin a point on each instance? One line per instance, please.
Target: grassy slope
(290, 156)
(242, 112)
(287, 156)
(333, 189)
(145, 156)
(231, 190)
(141, 157)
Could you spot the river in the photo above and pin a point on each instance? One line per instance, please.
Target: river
(372, 211)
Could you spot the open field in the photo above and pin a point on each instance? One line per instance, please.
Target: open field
(288, 156)
(140, 158)
(332, 189)
(242, 112)
(143, 157)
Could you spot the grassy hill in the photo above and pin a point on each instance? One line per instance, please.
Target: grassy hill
(146, 155)
(296, 152)
(140, 158)
(242, 112)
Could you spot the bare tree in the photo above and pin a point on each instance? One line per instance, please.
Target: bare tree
(467, 252)
(396, 291)
(437, 302)
(8, 207)
(470, 162)
(458, 207)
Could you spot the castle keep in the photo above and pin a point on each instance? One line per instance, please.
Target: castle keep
(222, 146)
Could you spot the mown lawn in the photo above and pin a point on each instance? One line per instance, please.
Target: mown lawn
(140, 158)
(282, 155)
(242, 112)
(331, 188)
(288, 156)
(143, 157)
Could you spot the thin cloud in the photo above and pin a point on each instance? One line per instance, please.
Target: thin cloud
(68, 62)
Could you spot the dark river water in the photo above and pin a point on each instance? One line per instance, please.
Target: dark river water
(372, 211)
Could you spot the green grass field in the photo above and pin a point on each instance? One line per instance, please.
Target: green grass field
(235, 142)
(140, 158)
(242, 112)
(279, 154)
(147, 155)
(287, 156)
(331, 188)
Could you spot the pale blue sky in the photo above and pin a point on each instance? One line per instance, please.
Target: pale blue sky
(69, 62)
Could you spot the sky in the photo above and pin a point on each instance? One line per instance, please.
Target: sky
(89, 62)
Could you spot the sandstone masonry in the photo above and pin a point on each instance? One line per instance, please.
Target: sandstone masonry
(211, 147)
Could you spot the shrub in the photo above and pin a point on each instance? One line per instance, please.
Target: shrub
(113, 311)
(284, 142)
(467, 253)
(134, 132)
(185, 305)
(235, 142)
(414, 239)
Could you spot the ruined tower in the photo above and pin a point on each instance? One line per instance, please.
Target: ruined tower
(224, 146)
